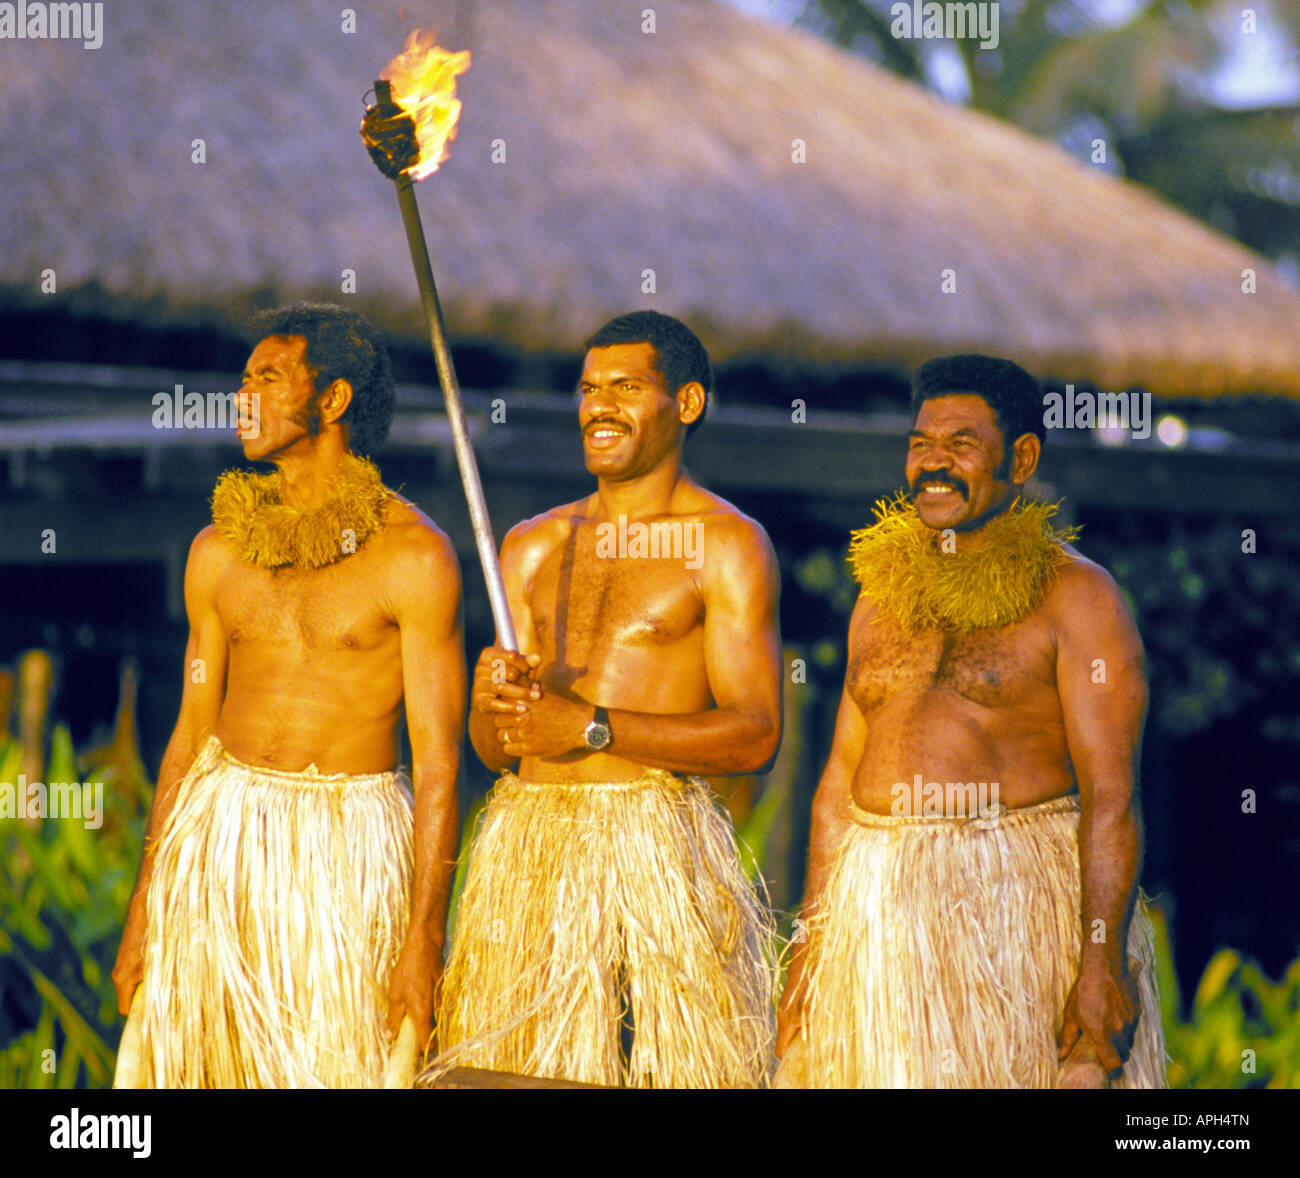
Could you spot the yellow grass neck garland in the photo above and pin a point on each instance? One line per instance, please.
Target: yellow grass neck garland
(247, 511)
(903, 567)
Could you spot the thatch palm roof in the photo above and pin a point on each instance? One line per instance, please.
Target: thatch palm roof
(626, 151)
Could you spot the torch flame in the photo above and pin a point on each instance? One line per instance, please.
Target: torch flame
(423, 78)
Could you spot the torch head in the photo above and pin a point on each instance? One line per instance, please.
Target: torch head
(389, 134)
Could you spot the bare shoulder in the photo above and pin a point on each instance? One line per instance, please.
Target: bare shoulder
(1081, 582)
(532, 540)
(1083, 594)
(866, 612)
(872, 635)
(211, 554)
(729, 532)
(737, 553)
(413, 545)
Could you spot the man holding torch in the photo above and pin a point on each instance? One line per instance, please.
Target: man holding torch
(607, 933)
(287, 916)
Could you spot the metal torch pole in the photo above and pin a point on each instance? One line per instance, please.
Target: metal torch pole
(478, 514)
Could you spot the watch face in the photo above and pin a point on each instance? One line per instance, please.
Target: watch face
(597, 735)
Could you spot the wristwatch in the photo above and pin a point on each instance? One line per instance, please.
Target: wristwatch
(597, 735)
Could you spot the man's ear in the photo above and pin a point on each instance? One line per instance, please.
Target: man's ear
(334, 401)
(1024, 458)
(691, 399)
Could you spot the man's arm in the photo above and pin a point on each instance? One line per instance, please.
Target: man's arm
(742, 650)
(426, 605)
(830, 822)
(201, 699)
(1102, 683)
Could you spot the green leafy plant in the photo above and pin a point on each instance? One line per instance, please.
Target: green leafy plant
(64, 889)
(1243, 1030)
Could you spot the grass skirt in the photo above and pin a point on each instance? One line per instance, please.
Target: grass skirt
(278, 905)
(945, 949)
(592, 905)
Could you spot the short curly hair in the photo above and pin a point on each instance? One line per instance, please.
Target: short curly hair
(680, 358)
(1015, 397)
(341, 345)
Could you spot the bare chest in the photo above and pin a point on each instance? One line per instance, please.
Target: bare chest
(994, 668)
(335, 608)
(589, 599)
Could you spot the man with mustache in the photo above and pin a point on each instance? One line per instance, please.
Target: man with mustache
(607, 933)
(975, 846)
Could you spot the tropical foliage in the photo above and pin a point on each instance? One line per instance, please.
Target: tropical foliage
(1243, 1030)
(64, 889)
(1143, 79)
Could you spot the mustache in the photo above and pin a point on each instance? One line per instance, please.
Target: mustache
(942, 477)
(597, 422)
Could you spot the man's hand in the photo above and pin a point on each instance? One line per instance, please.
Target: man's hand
(129, 967)
(528, 721)
(502, 679)
(413, 984)
(1103, 1008)
(547, 725)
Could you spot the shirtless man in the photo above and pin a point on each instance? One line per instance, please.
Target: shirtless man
(607, 933)
(283, 925)
(975, 844)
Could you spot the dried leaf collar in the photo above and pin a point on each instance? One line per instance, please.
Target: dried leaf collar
(902, 566)
(269, 534)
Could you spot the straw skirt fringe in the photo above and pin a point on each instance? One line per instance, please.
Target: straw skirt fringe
(592, 905)
(945, 949)
(278, 905)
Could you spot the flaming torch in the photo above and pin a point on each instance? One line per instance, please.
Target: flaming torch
(406, 132)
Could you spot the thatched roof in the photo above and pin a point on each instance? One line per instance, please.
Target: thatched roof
(625, 151)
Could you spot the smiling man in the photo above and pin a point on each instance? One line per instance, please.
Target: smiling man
(607, 933)
(956, 942)
(286, 915)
